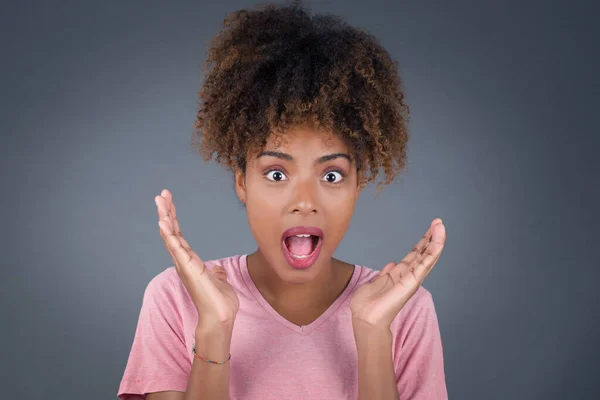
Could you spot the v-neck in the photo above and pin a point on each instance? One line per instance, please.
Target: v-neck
(304, 329)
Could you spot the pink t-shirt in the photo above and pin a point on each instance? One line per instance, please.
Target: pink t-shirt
(271, 358)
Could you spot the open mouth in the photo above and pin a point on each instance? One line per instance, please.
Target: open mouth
(301, 246)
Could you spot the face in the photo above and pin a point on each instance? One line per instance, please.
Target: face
(305, 184)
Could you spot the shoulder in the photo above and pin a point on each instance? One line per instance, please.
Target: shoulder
(162, 298)
(161, 284)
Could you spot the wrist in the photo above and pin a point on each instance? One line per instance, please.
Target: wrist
(368, 335)
(360, 326)
(213, 343)
(214, 333)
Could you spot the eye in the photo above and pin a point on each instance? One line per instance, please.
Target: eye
(275, 175)
(333, 177)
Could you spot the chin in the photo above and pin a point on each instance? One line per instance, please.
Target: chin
(292, 274)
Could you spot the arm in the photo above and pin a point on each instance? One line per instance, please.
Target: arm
(376, 377)
(417, 371)
(159, 364)
(395, 297)
(159, 359)
(216, 302)
(206, 381)
(419, 359)
(170, 395)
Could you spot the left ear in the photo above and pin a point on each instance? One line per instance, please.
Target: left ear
(240, 186)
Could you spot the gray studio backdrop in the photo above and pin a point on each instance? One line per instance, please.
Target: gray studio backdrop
(98, 101)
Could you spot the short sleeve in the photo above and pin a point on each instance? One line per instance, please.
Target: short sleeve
(158, 360)
(419, 361)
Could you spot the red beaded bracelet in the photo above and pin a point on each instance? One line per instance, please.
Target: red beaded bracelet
(207, 360)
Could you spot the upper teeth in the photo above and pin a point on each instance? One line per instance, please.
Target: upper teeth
(303, 235)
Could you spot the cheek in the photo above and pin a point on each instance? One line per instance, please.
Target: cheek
(262, 210)
(340, 209)
(261, 199)
(261, 222)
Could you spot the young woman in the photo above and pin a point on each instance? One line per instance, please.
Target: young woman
(305, 111)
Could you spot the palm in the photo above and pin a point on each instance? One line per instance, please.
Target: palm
(214, 298)
(223, 298)
(379, 301)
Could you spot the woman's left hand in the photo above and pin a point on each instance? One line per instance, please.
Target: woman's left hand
(378, 302)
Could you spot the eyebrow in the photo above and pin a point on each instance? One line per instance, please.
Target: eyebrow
(320, 160)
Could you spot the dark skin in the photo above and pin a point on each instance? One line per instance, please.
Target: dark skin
(307, 179)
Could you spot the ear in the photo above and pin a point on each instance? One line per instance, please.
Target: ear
(240, 185)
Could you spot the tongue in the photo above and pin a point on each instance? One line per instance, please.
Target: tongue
(301, 246)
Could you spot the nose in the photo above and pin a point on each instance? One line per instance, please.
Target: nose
(304, 200)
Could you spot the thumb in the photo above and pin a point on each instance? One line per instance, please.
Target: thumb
(219, 273)
(388, 267)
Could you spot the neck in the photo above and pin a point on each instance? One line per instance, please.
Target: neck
(315, 294)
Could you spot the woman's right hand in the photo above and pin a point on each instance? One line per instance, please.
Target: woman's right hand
(215, 299)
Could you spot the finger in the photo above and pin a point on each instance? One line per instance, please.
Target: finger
(173, 243)
(172, 211)
(176, 262)
(419, 248)
(433, 264)
(408, 266)
(398, 291)
(388, 267)
(177, 232)
(162, 208)
(383, 273)
(426, 263)
(412, 270)
(407, 276)
(399, 271)
(164, 202)
(162, 235)
(166, 215)
(219, 272)
(431, 253)
(381, 283)
(183, 257)
(166, 193)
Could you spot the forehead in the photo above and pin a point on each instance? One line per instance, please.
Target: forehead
(304, 138)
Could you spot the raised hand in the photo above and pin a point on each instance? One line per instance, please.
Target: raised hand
(216, 301)
(378, 302)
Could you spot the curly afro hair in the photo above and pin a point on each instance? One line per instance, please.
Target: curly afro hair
(278, 66)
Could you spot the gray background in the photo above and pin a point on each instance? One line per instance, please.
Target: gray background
(98, 101)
